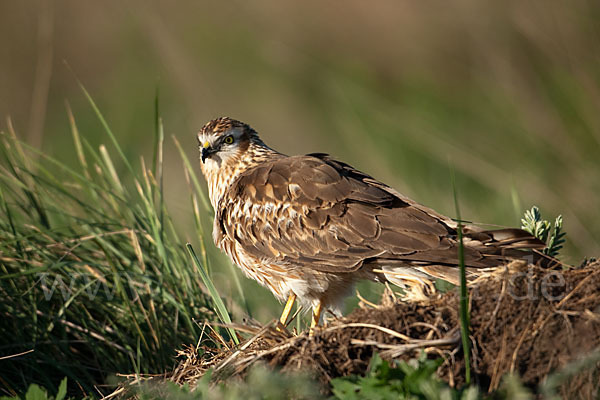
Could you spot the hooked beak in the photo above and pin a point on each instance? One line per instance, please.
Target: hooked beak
(206, 151)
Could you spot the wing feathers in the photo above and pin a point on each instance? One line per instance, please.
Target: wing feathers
(362, 219)
(315, 212)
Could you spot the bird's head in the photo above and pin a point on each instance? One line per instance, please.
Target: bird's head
(224, 141)
(227, 149)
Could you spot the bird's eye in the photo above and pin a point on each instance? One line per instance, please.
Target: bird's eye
(228, 139)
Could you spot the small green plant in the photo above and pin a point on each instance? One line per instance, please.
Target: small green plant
(553, 236)
(261, 383)
(34, 392)
(401, 380)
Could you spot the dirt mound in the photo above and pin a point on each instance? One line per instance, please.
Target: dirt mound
(524, 319)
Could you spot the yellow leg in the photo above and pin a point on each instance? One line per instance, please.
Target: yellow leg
(287, 309)
(316, 316)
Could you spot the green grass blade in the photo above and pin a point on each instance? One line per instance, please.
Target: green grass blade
(157, 159)
(77, 141)
(464, 297)
(106, 127)
(218, 302)
(112, 172)
(158, 136)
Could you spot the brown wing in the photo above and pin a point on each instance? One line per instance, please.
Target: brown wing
(312, 210)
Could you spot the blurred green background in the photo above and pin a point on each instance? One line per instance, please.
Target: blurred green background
(508, 93)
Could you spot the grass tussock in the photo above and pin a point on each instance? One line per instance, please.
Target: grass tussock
(94, 279)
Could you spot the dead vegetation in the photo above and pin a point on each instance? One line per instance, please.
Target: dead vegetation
(524, 319)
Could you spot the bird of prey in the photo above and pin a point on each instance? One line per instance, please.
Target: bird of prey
(309, 227)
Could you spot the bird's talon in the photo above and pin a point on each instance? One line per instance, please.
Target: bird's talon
(280, 327)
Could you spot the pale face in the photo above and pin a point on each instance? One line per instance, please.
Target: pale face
(225, 151)
(217, 148)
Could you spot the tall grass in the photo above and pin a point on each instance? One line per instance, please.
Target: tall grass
(94, 279)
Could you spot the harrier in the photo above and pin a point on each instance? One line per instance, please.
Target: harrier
(309, 227)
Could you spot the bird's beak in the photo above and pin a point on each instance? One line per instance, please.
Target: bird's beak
(206, 151)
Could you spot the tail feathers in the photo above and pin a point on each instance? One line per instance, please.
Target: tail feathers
(484, 252)
(497, 247)
(509, 238)
(514, 238)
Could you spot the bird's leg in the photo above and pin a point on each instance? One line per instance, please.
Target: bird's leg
(287, 309)
(316, 316)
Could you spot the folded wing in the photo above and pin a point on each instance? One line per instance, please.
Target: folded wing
(314, 212)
